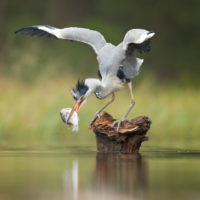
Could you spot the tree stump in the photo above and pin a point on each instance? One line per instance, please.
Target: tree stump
(127, 140)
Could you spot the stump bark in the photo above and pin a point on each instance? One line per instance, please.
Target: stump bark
(127, 140)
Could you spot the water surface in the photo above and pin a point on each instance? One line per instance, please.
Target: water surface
(81, 173)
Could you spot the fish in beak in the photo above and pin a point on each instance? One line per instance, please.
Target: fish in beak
(76, 107)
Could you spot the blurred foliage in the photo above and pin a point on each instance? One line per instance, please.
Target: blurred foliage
(36, 74)
(30, 113)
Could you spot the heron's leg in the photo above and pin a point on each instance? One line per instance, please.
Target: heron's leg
(132, 100)
(98, 112)
(118, 122)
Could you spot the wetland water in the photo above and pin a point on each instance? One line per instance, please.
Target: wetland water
(82, 173)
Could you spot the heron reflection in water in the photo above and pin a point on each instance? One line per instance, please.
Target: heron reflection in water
(122, 174)
(115, 177)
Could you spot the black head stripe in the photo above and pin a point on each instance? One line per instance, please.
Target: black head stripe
(81, 87)
(80, 90)
(74, 94)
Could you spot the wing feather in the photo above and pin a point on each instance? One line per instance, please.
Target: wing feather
(136, 36)
(134, 39)
(90, 37)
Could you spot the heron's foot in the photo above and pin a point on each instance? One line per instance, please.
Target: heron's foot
(118, 122)
(97, 115)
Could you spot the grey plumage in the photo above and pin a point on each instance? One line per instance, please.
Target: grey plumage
(90, 37)
(117, 64)
(110, 57)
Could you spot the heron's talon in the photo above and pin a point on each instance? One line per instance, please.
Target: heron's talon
(118, 122)
(98, 116)
(128, 120)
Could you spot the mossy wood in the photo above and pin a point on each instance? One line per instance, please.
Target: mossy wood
(127, 140)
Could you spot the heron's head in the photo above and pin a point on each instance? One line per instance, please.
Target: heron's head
(81, 93)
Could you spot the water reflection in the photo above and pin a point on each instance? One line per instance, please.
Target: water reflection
(115, 176)
(88, 175)
(71, 181)
(124, 174)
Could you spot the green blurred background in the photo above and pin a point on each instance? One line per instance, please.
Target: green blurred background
(36, 74)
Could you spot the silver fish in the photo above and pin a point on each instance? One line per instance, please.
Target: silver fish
(64, 113)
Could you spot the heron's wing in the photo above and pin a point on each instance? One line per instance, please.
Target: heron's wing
(135, 37)
(131, 66)
(90, 37)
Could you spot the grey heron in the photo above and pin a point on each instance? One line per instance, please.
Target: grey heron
(118, 64)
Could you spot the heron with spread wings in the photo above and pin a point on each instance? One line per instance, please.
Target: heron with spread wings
(118, 65)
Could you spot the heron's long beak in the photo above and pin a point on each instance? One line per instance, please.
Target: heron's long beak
(76, 107)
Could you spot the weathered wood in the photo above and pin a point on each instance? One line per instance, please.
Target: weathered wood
(127, 140)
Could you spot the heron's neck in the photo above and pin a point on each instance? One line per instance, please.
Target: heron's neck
(93, 85)
(104, 88)
(97, 87)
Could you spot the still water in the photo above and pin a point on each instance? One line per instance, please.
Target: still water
(81, 173)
